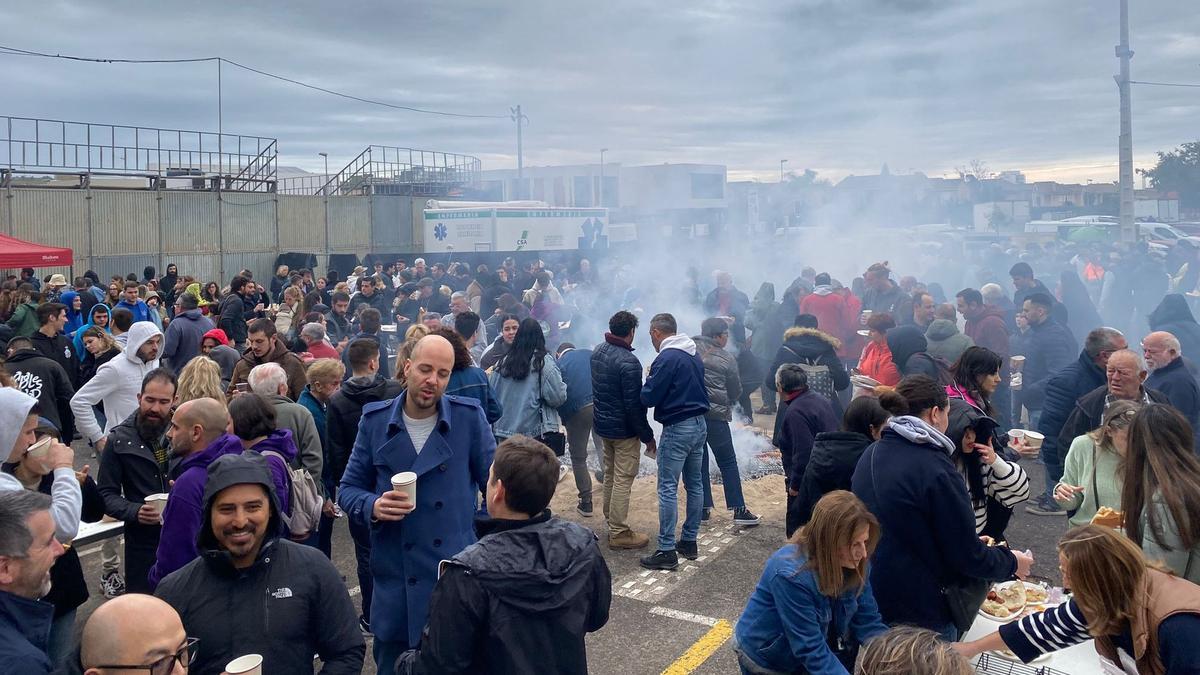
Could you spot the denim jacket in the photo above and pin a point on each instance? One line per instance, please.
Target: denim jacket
(525, 409)
(786, 620)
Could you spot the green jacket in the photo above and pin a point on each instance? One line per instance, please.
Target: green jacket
(24, 321)
(1105, 484)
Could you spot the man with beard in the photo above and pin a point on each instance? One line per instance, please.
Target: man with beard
(116, 384)
(265, 346)
(247, 573)
(135, 464)
(447, 442)
(28, 549)
(198, 438)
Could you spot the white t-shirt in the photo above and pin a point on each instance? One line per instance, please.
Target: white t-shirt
(419, 429)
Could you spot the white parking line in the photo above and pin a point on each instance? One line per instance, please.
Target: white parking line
(683, 616)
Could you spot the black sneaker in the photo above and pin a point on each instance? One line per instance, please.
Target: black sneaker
(687, 549)
(584, 509)
(743, 516)
(113, 584)
(1045, 506)
(765, 410)
(660, 560)
(705, 515)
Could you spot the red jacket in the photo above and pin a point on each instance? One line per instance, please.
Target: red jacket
(876, 363)
(832, 312)
(322, 350)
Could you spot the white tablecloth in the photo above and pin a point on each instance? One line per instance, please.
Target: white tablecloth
(90, 533)
(1078, 660)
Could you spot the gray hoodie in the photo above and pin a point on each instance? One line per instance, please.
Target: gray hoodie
(66, 498)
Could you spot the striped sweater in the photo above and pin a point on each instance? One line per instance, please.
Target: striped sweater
(1004, 481)
(1049, 631)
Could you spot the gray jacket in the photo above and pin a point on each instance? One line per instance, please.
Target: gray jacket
(721, 380)
(297, 418)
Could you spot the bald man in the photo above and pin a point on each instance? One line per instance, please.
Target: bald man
(1171, 374)
(133, 630)
(199, 435)
(447, 442)
(1125, 374)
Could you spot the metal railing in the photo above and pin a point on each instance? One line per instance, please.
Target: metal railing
(387, 170)
(29, 146)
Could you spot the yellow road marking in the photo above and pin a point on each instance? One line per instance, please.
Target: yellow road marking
(703, 648)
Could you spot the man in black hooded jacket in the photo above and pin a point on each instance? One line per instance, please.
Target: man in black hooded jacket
(521, 599)
(252, 592)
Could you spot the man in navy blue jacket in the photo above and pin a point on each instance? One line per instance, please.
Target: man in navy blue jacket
(620, 422)
(675, 389)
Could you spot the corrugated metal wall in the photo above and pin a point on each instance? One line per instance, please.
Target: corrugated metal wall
(208, 235)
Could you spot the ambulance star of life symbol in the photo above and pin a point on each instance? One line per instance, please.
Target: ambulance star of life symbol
(439, 231)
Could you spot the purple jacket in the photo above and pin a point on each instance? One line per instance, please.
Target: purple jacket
(184, 514)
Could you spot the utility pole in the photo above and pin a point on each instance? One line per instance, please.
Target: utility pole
(325, 191)
(600, 199)
(781, 163)
(516, 116)
(1124, 53)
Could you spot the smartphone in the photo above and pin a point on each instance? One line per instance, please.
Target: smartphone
(243, 387)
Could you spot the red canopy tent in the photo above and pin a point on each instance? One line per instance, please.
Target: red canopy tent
(19, 253)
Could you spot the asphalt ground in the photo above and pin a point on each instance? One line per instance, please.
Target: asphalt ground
(677, 622)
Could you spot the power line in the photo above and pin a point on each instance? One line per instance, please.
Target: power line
(1167, 84)
(13, 51)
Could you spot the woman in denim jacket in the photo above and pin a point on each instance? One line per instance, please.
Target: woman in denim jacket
(813, 607)
(528, 385)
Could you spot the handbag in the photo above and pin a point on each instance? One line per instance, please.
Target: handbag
(964, 596)
(555, 440)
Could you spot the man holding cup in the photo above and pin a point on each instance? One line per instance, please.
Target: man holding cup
(417, 466)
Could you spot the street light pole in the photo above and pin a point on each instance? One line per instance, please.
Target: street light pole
(325, 192)
(518, 117)
(1124, 53)
(600, 199)
(781, 163)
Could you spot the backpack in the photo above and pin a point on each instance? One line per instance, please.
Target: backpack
(944, 377)
(820, 379)
(305, 497)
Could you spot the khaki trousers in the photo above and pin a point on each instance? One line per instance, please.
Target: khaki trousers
(622, 456)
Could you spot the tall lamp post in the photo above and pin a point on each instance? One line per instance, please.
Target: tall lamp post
(325, 193)
(600, 199)
(781, 163)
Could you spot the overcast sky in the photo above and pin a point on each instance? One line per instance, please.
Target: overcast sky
(839, 86)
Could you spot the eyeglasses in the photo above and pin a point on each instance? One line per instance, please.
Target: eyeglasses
(185, 656)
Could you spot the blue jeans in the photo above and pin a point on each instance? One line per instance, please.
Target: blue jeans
(721, 441)
(680, 451)
(322, 539)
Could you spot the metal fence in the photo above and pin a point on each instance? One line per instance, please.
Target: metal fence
(30, 145)
(385, 170)
(209, 234)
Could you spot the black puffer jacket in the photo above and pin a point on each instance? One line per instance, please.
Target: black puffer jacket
(813, 347)
(345, 410)
(520, 600)
(288, 605)
(830, 467)
(721, 380)
(1050, 348)
(617, 392)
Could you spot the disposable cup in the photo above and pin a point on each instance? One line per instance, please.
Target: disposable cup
(1018, 362)
(158, 501)
(406, 482)
(1015, 434)
(1033, 439)
(250, 664)
(40, 449)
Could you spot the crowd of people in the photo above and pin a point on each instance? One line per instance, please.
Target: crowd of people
(437, 408)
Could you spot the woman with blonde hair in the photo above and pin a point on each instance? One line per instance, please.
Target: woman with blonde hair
(1142, 617)
(411, 337)
(200, 378)
(1092, 470)
(286, 313)
(813, 607)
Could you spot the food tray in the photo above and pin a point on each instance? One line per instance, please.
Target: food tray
(990, 664)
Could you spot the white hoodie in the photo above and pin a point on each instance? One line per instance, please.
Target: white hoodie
(116, 385)
(66, 497)
(678, 341)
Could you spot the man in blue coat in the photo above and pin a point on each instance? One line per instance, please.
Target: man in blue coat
(447, 442)
(1062, 390)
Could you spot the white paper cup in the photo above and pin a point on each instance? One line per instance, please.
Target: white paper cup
(158, 501)
(250, 664)
(406, 482)
(1033, 439)
(1015, 434)
(41, 449)
(1018, 362)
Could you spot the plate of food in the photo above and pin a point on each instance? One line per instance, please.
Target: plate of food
(1009, 601)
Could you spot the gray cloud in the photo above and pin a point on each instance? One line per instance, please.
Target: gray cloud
(842, 86)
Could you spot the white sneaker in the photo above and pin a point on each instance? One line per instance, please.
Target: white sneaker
(563, 470)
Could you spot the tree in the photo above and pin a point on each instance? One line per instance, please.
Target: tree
(978, 170)
(1178, 171)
